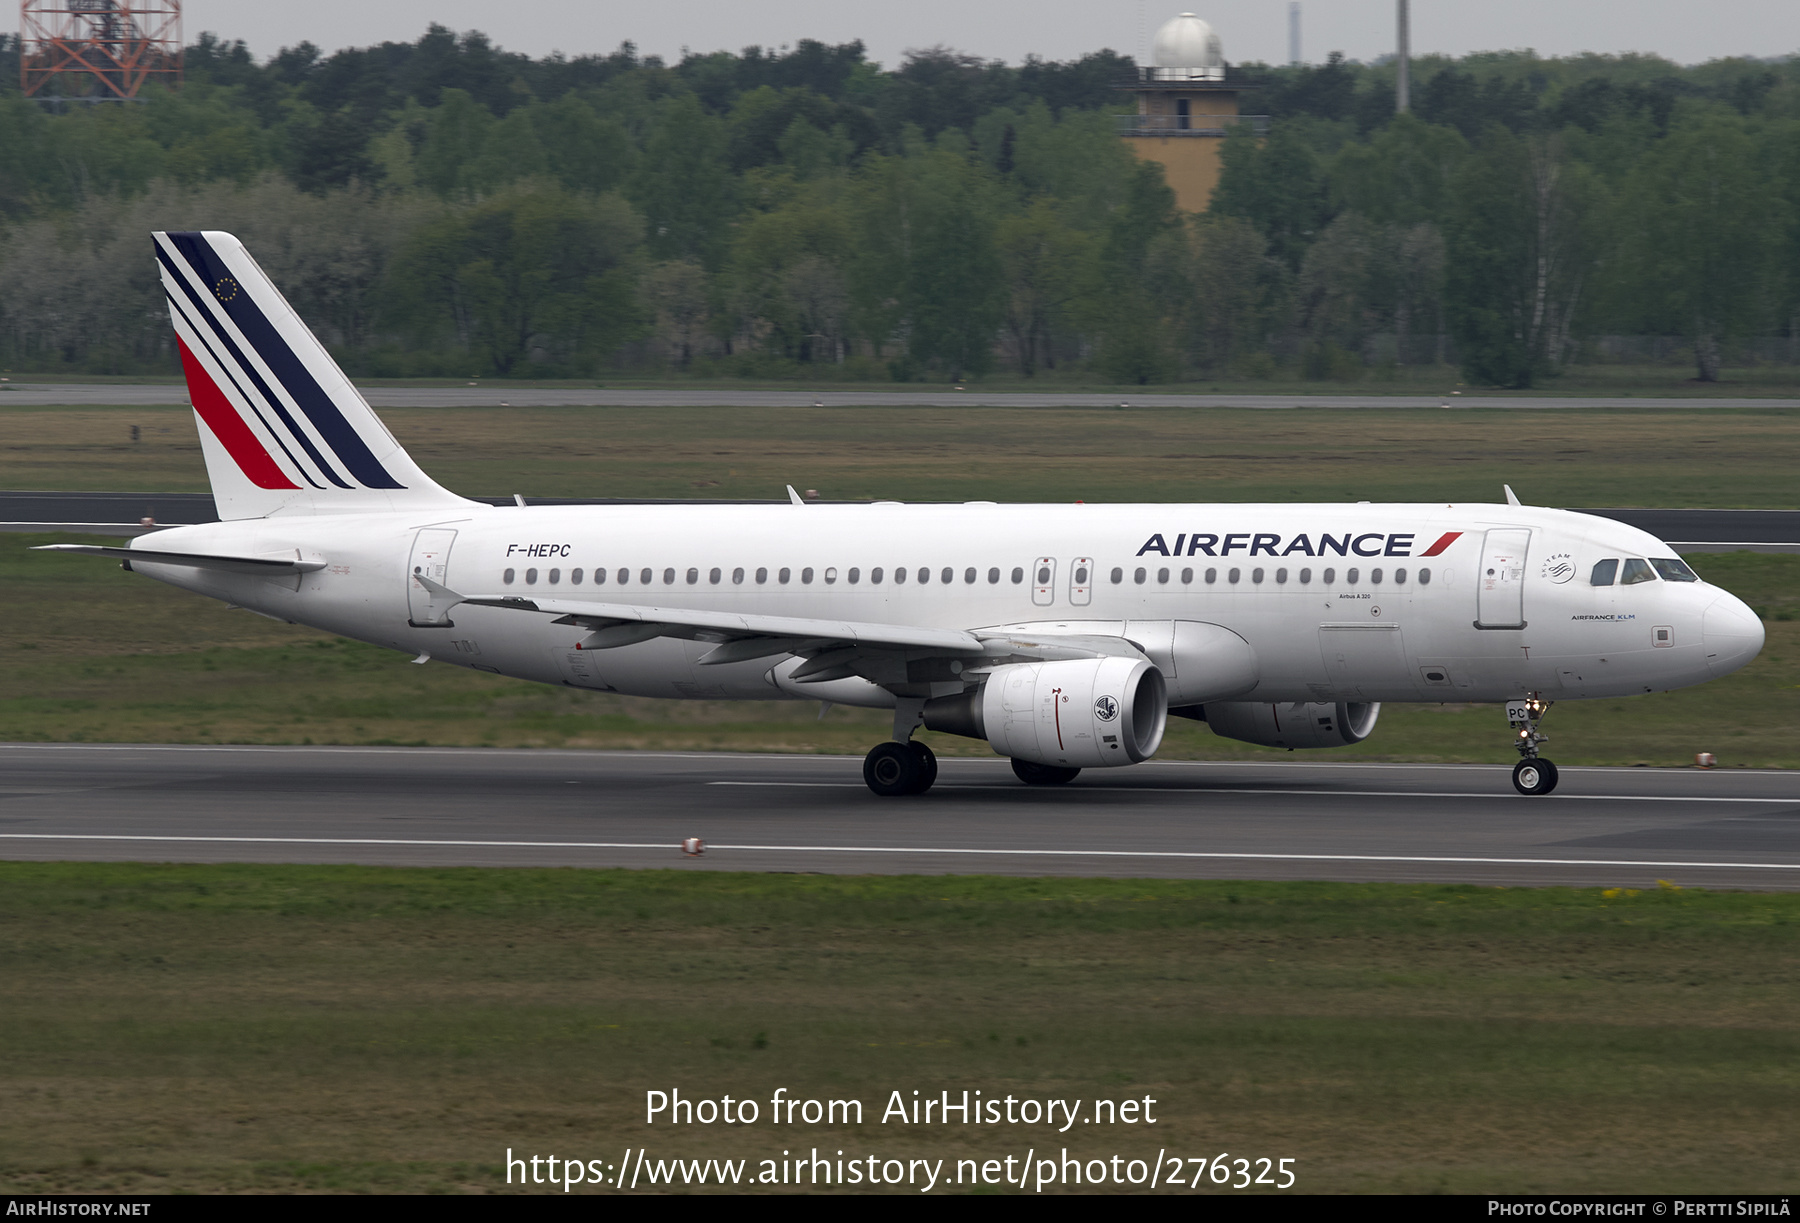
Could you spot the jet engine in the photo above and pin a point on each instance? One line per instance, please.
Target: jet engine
(1289, 724)
(1079, 714)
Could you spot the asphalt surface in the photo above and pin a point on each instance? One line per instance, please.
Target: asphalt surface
(27, 394)
(121, 514)
(437, 806)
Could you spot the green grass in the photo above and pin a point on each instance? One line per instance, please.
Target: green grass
(187, 1028)
(90, 653)
(1602, 457)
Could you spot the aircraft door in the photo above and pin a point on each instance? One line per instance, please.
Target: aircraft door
(431, 558)
(1043, 581)
(1081, 581)
(1500, 579)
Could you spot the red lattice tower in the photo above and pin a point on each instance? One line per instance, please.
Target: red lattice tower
(98, 49)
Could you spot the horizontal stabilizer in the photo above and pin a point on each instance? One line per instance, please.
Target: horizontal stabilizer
(274, 564)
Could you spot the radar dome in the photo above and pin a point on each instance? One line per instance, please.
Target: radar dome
(1187, 49)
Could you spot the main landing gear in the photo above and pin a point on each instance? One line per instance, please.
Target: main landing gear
(901, 766)
(892, 769)
(1533, 774)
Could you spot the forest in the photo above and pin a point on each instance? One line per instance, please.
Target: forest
(444, 208)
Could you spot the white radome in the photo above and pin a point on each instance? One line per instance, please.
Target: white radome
(1187, 49)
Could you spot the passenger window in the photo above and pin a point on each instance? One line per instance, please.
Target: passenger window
(875, 576)
(994, 577)
(1399, 577)
(1374, 577)
(644, 576)
(668, 577)
(1162, 576)
(1605, 572)
(784, 575)
(1212, 575)
(1118, 575)
(1018, 574)
(624, 577)
(1675, 571)
(1256, 576)
(1281, 577)
(693, 576)
(1081, 575)
(1138, 576)
(969, 576)
(855, 576)
(531, 577)
(574, 577)
(737, 577)
(1424, 577)
(1187, 576)
(924, 575)
(1637, 571)
(806, 575)
(947, 576)
(714, 577)
(900, 575)
(599, 577)
(1329, 576)
(506, 579)
(1232, 577)
(1306, 577)
(762, 575)
(555, 576)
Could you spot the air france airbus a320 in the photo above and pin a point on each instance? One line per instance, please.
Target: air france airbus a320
(1063, 635)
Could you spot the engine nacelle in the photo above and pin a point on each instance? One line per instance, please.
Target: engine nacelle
(1290, 724)
(1082, 713)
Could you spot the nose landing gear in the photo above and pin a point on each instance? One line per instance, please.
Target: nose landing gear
(1533, 774)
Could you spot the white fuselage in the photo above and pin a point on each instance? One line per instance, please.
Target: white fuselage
(1338, 602)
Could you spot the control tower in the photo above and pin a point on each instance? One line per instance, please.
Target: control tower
(1187, 101)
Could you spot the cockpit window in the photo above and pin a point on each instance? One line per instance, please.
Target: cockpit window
(1605, 572)
(1675, 571)
(1637, 571)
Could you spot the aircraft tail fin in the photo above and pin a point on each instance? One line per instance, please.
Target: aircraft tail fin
(283, 430)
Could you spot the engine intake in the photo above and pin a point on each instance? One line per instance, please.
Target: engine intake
(1289, 725)
(1082, 713)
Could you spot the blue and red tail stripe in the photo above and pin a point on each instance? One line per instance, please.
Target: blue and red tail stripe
(245, 343)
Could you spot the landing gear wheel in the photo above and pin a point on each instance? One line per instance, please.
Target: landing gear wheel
(927, 766)
(1043, 774)
(1534, 777)
(892, 769)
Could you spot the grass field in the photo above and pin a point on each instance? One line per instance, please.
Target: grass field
(172, 1028)
(1606, 457)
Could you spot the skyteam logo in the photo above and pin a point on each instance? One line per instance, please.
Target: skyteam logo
(1558, 568)
(1106, 708)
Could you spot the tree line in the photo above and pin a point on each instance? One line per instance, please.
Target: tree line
(443, 207)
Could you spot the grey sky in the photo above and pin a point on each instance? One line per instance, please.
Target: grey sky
(1012, 29)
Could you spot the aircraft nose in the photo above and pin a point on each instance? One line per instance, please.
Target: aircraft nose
(1732, 632)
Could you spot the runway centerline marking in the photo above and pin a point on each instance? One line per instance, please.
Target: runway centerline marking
(900, 849)
(1610, 798)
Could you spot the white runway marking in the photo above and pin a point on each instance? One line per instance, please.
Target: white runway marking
(899, 849)
(1609, 798)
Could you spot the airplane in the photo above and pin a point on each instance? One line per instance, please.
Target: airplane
(1064, 636)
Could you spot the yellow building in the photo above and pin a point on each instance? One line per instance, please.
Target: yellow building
(1186, 104)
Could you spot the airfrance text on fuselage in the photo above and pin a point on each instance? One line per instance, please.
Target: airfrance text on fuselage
(1269, 543)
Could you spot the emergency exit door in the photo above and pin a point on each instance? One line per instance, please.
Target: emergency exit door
(430, 558)
(1500, 581)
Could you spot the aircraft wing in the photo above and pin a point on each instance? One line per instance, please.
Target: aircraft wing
(833, 649)
(275, 564)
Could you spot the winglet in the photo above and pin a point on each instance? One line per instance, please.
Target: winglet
(1512, 498)
(794, 496)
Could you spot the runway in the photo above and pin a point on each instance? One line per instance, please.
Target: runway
(77, 394)
(1277, 820)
